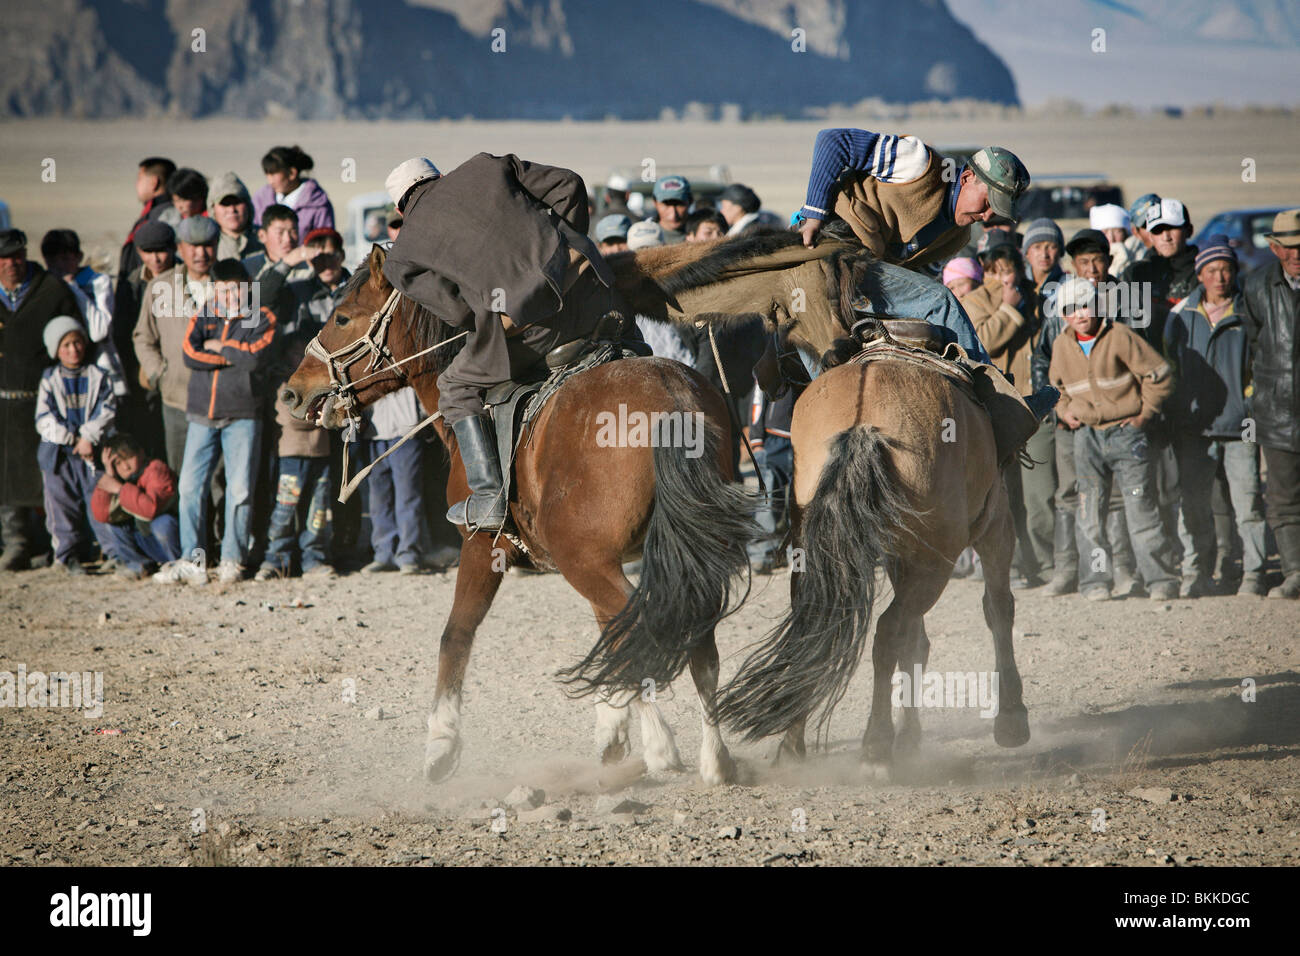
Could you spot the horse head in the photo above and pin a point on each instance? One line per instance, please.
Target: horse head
(355, 358)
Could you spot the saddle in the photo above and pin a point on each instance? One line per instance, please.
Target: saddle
(514, 404)
(877, 337)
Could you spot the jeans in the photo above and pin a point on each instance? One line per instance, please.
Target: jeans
(1199, 461)
(894, 290)
(237, 443)
(301, 519)
(144, 542)
(1120, 453)
(775, 462)
(396, 496)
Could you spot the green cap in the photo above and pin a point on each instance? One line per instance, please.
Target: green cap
(1006, 177)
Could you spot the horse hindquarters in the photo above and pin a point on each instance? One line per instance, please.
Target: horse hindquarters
(846, 528)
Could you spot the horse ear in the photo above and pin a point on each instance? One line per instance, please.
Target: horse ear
(377, 256)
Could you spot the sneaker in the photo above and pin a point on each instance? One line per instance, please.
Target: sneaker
(1101, 593)
(414, 568)
(1195, 586)
(181, 572)
(129, 573)
(1163, 591)
(265, 573)
(320, 571)
(443, 558)
(379, 567)
(109, 565)
(228, 572)
(1252, 583)
(1059, 586)
(1025, 582)
(1289, 589)
(71, 566)
(1125, 585)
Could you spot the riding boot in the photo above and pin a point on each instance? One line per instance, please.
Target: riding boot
(1288, 549)
(13, 528)
(1015, 418)
(485, 509)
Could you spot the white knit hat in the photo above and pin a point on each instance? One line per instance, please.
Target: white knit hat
(57, 328)
(403, 177)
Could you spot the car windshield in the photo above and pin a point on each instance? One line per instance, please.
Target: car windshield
(1229, 226)
(1259, 225)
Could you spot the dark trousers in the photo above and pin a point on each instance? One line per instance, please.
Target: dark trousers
(301, 520)
(140, 543)
(68, 487)
(1121, 454)
(489, 357)
(176, 426)
(1038, 485)
(1282, 493)
(396, 497)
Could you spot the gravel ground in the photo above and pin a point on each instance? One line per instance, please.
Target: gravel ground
(238, 743)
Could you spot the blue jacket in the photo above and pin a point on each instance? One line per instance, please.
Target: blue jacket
(1212, 367)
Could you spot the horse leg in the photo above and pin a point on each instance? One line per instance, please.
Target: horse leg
(995, 548)
(792, 748)
(915, 655)
(608, 594)
(716, 765)
(878, 741)
(477, 581)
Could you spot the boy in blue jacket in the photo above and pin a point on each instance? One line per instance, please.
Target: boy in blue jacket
(228, 347)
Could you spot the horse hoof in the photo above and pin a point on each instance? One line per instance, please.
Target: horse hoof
(908, 743)
(878, 751)
(615, 751)
(664, 761)
(876, 771)
(441, 758)
(1011, 727)
(720, 774)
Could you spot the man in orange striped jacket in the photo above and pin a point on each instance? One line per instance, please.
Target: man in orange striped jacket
(228, 347)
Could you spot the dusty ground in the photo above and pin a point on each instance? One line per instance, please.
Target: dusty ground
(235, 708)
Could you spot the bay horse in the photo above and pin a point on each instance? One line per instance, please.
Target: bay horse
(581, 505)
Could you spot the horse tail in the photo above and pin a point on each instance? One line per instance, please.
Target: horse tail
(694, 552)
(848, 528)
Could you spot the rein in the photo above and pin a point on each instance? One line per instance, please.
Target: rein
(343, 390)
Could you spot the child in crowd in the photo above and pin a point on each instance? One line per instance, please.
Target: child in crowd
(1113, 385)
(75, 408)
(135, 501)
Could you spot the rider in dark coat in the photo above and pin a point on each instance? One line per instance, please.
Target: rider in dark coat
(497, 246)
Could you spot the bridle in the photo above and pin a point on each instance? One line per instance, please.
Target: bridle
(343, 389)
(372, 345)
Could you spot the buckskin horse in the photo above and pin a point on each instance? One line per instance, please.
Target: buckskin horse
(895, 465)
(581, 505)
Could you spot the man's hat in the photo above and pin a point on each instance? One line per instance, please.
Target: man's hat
(12, 241)
(227, 186)
(1108, 216)
(1170, 212)
(155, 236)
(645, 234)
(614, 226)
(1088, 240)
(1141, 208)
(672, 189)
(1286, 229)
(991, 239)
(408, 174)
(198, 231)
(617, 183)
(1004, 174)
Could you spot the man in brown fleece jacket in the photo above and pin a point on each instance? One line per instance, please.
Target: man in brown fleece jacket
(1113, 385)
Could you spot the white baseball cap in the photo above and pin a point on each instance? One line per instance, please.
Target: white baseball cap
(617, 183)
(403, 177)
(1170, 213)
(1108, 216)
(643, 235)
